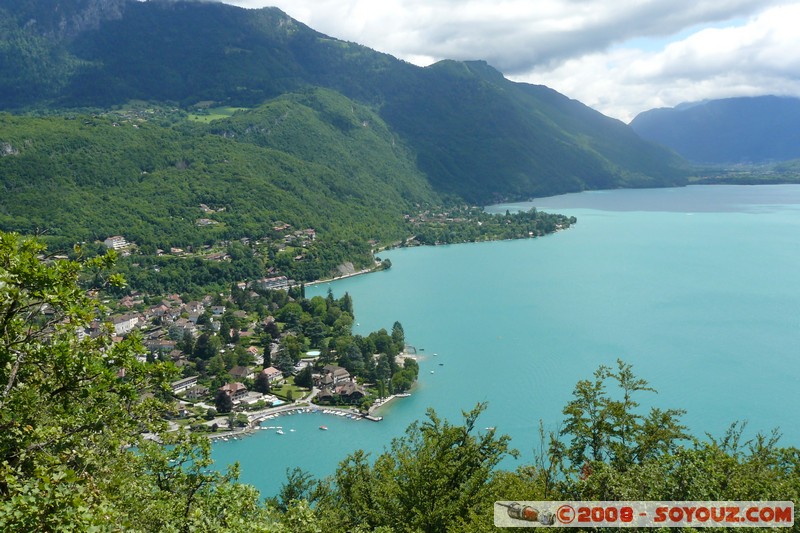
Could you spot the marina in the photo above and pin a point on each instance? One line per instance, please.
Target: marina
(258, 419)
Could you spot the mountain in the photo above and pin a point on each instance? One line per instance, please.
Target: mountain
(733, 130)
(473, 133)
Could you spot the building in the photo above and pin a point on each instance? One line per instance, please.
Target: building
(235, 390)
(351, 392)
(180, 327)
(334, 375)
(276, 283)
(117, 242)
(242, 372)
(183, 384)
(124, 324)
(273, 374)
(198, 392)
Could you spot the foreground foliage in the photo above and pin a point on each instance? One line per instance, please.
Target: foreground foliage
(70, 408)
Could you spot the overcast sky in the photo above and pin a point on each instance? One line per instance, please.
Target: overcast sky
(620, 57)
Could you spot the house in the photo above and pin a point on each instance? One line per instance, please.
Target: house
(273, 374)
(197, 392)
(180, 327)
(235, 390)
(242, 372)
(160, 345)
(324, 395)
(336, 374)
(194, 307)
(218, 310)
(159, 311)
(183, 384)
(351, 391)
(124, 324)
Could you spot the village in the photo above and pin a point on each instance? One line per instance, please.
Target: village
(261, 350)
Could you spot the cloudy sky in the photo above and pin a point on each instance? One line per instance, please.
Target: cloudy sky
(620, 57)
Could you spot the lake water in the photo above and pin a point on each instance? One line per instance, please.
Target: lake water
(697, 287)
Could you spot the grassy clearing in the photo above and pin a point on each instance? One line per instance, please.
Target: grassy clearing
(282, 391)
(214, 113)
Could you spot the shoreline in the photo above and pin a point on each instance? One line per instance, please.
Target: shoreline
(394, 246)
(343, 276)
(380, 403)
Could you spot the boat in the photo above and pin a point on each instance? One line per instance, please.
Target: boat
(292, 430)
(431, 371)
(324, 428)
(441, 364)
(279, 432)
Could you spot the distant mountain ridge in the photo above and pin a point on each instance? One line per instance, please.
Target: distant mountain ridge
(732, 130)
(475, 135)
(64, 19)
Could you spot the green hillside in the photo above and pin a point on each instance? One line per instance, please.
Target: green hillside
(473, 134)
(310, 160)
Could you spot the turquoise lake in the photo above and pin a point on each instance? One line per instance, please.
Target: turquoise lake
(697, 287)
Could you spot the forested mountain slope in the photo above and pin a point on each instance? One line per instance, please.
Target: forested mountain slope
(83, 177)
(474, 134)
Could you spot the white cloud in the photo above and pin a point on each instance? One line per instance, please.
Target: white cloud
(760, 56)
(586, 49)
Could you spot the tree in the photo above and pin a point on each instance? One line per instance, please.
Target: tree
(186, 345)
(316, 331)
(352, 360)
(68, 416)
(304, 378)
(292, 347)
(347, 304)
(64, 411)
(261, 383)
(602, 428)
(428, 481)
(183, 493)
(284, 363)
(223, 402)
(299, 486)
(215, 366)
(207, 346)
(398, 335)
